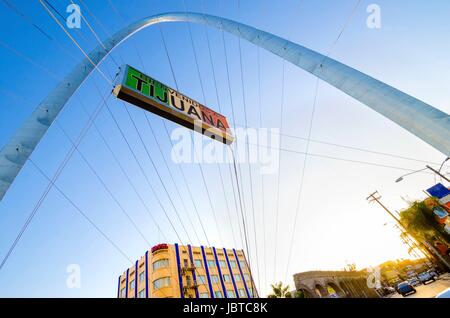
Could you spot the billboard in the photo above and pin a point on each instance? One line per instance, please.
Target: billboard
(143, 91)
(438, 191)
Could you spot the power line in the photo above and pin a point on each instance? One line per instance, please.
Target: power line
(233, 115)
(143, 172)
(117, 12)
(102, 136)
(80, 212)
(248, 152)
(52, 181)
(171, 175)
(29, 60)
(238, 168)
(160, 150)
(262, 175)
(75, 42)
(187, 185)
(26, 18)
(95, 35)
(52, 74)
(200, 167)
(102, 182)
(220, 110)
(279, 175)
(349, 18)
(195, 154)
(240, 200)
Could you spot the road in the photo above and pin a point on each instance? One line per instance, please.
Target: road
(428, 291)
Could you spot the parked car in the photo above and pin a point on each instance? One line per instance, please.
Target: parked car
(426, 277)
(405, 289)
(433, 274)
(444, 294)
(386, 291)
(414, 282)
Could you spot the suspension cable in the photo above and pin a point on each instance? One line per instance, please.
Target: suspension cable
(75, 42)
(78, 209)
(349, 18)
(102, 182)
(248, 153)
(58, 172)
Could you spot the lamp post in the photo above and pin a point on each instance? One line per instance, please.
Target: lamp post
(405, 175)
(438, 172)
(440, 168)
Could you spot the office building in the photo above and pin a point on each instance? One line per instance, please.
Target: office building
(176, 271)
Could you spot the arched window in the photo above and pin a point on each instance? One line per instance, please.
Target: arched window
(162, 263)
(161, 282)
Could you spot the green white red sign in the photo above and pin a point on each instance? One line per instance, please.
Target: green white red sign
(143, 91)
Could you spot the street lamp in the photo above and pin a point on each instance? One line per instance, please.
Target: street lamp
(405, 175)
(438, 172)
(442, 165)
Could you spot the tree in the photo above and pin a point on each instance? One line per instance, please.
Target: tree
(300, 294)
(280, 291)
(419, 220)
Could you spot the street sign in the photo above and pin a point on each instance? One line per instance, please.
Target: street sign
(439, 191)
(145, 92)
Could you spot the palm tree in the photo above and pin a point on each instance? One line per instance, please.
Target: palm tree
(280, 291)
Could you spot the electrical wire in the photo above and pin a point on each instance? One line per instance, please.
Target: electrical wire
(248, 154)
(75, 42)
(52, 182)
(78, 209)
(347, 22)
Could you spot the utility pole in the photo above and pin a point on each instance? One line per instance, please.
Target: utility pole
(375, 197)
(438, 173)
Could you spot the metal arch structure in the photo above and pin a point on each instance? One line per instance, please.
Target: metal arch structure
(423, 120)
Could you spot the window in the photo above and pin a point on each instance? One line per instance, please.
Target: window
(141, 277)
(201, 279)
(242, 293)
(123, 293)
(204, 295)
(141, 294)
(226, 278)
(211, 263)
(233, 264)
(185, 262)
(218, 294)
(162, 263)
(188, 280)
(214, 279)
(222, 264)
(198, 263)
(250, 291)
(132, 284)
(242, 263)
(237, 277)
(247, 277)
(231, 294)
(161, 282)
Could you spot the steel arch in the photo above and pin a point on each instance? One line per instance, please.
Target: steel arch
(423, 120)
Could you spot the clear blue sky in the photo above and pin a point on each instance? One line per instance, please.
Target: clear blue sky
(336, 225)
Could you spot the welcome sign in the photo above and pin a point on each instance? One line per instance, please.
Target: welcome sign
(145, 92)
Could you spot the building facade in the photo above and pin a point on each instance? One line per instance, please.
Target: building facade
(176, 271)
(335, 284)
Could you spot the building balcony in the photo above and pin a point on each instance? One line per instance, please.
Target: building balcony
(187, 269)
(190, 286)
